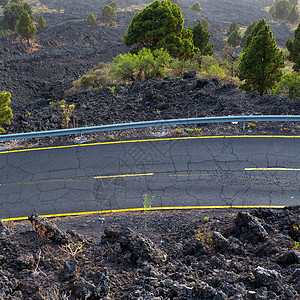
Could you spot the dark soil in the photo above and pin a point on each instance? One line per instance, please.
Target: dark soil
(154, 255)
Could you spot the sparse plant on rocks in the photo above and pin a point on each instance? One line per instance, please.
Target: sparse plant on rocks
(72, 248)
(147, 203)
(205, 236)
(68, 110)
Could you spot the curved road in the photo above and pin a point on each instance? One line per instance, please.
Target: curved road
(177, 172)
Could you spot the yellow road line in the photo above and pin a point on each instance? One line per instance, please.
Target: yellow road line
(125, 175)
(152, 140)
(271, 169)
(152, 209)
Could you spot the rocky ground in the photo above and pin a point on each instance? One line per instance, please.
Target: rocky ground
(67, 48)
(192, 254)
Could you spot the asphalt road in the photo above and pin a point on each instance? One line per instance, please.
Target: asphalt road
(205, 171)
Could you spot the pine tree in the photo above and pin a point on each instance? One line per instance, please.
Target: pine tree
(25, 26)
(247, 32)
(261, 61)
(205, 23)
(41, 22)
(91, 20)
(196, 7)
(107, 14)
(201, 38)
(233, 26)
(160, 25)
(294, 49)
(5, 110)
(234, 38)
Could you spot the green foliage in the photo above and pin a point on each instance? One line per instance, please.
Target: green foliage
(91, 20)
(233, 26)
(261, 61)
(289, 86)
(175, 1)
(205, 23)
(179, 66)
(285, 10)
(28, 8)
(41, 22)
(247, 32)
(107, 14)
(294, 49)
(234, 38)
(201, 38)
(145, 64)
(11, 15)
(25, 26)
(210, 68)
(114, 5)
(160, 25)
(5, 32)
(196, 7)
(5, 110)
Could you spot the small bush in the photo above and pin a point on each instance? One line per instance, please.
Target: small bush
(289, 86)
(196, 7)
(91, 20)
(178, 67)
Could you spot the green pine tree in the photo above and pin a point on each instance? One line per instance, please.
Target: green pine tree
(196, 7)
(205, 23)
(201, 38)
(247, 32)
(41, 22)
(5, 110)
(233, 26)
(91, 20)
(25, 26)
(160, 25)
(261, 62)
(234, 38)
(107, 14)
(294, 49)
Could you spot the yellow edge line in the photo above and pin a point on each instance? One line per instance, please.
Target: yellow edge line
(153, 140)
(272, 169)
(126, 175)
(152, 208)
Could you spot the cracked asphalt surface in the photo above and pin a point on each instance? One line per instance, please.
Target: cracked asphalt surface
(204, 171)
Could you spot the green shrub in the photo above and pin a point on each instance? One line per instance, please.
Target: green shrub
(289, 86)
(178, 67)
(143, 65)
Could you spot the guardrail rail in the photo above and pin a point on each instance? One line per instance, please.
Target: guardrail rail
(157, 123)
